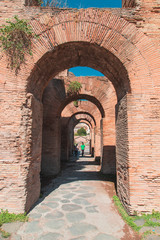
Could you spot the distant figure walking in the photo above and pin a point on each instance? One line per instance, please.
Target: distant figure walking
(82, 148)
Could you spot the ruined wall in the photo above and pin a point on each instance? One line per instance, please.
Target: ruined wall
(109, 40)
(144, 166)
(147, 4)
(143, 13)
(138, 173)
(20, 152)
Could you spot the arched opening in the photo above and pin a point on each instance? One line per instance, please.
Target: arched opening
(73, 54)
(73, 121)
(69, 55)
(69, 117)
(104, 41)
(82, 133)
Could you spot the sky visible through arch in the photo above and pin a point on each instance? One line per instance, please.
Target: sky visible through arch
(85, 71)
(94, 3)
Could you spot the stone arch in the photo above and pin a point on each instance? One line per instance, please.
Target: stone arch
(100, 39)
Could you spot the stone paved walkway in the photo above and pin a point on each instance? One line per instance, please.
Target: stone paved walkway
(77, 206)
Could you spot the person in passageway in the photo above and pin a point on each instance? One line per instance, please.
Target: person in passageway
(82, 148)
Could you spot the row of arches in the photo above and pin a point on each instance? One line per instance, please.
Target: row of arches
(102, 40)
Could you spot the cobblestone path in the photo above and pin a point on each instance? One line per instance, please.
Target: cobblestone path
(77, 206)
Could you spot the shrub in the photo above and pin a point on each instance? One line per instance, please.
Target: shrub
(81, 132)
(74, 88)
(15, 39)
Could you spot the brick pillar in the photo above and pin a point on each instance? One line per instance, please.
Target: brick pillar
(138, 154)
(64, 141)
(122, 153)
(92, 142)
(71, 143)
(97, 147)
(108, 153)
(51, 148)
(144, 151)
(21, 134)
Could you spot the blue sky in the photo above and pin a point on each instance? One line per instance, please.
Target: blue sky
(84, 71)
(94, 3)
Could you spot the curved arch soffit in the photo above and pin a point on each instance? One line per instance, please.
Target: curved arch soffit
(72, 54)
(103, 36)
(82, 96)
(88, 123)
(80, 113)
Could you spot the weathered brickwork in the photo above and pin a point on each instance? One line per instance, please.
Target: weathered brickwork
(121, 43)
(102, 104)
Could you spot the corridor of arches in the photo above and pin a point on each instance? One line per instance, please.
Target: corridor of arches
(121, 108)
(60, 116)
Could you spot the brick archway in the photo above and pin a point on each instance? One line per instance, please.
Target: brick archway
(87, 97)
(83, 114)
(88, 119)
(94, 36)
(102, 40)
(86, 110)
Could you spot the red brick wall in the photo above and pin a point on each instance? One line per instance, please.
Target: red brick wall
(122, 153)
(111, 41)
(144, 157)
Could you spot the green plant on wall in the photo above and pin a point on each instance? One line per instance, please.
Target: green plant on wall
(74, 88)
(75, 103)
(15, 40)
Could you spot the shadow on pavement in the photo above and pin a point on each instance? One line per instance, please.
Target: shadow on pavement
(73, 170)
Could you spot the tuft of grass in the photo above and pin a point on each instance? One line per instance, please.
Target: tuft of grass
(145, 234)
(6, 217)
(129, 220)
(150, 223)
(4, 233)
(148, 218)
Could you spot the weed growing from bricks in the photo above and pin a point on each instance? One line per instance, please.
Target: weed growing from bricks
(74, 88)
(16, 41)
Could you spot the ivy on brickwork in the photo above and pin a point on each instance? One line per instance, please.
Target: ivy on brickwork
(15, 39)
(74, 88)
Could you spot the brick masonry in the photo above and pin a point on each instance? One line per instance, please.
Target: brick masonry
(121, 43)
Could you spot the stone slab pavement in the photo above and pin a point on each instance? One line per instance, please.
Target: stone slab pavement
(77, 205)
